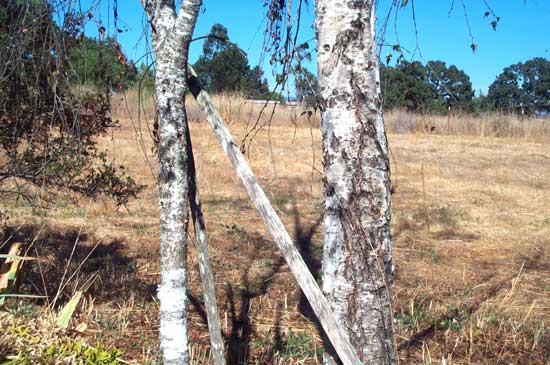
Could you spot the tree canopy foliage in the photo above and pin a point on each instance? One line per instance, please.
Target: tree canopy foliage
(522, 87)
(223, 67)
(47, 133)
(101, 63)
(434, 87)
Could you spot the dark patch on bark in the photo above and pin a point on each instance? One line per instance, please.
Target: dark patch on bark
(334, 143)
(194, 85)
(166, 173)
(356, 5)
(165, 169)
(357, 24)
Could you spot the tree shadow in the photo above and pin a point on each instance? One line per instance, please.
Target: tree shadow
(238, 300)
(238, 339)
(313, 258)
(447, 222)
(68, 258)
(303, 236)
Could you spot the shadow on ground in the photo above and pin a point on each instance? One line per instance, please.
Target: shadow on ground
(68, 258)
(255, 283)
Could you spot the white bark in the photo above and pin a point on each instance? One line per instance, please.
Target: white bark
(291, 254)
(357, 265)
(171, 36)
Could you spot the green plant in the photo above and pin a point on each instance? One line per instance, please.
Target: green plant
(289, 345)
(297, 345)
(453, 319)
(431, 254)
(21, 308)
(415, 313)
(24, 344)
(82, 354)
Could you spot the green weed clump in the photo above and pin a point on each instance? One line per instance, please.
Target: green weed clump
(24, 345)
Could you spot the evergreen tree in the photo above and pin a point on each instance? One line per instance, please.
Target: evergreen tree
(223, 67)
(257, 85)
(101, 62)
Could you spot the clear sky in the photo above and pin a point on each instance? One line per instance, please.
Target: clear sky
(522, 33)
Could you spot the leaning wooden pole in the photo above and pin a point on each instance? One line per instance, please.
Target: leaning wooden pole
(205, 266)
(303, 276)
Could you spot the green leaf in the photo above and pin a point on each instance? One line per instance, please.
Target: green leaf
(68, 310)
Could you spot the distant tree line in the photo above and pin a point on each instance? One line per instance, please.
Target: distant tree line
(435, 88)
(222, 67)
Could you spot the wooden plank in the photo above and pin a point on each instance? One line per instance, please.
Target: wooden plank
(297, 266)
(10, 266)
(9, 269)
(205, 266)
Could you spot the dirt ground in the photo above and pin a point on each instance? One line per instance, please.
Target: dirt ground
(471, 228)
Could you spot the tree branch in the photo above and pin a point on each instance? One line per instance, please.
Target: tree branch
(186, 20)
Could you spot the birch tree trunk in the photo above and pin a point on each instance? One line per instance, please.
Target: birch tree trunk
(171, 34)
(357, 256)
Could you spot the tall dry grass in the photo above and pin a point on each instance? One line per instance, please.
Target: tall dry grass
(493, 125)
(234, 108)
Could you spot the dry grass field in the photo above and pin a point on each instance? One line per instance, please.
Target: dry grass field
(471, 228)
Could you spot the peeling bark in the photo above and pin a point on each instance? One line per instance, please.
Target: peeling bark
(357, 257)
(171, 36)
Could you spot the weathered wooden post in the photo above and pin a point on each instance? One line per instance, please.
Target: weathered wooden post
(303, 276)
(205, 266)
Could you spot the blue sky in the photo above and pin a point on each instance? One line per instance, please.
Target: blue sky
(523, 31)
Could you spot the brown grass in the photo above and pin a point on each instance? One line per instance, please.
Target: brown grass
(492, 125)
(473, 289)
(235, 109)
